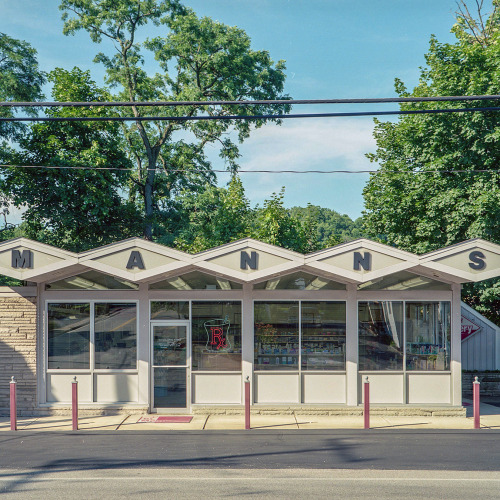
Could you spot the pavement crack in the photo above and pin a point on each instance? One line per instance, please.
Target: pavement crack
(122, 422)
(205, 424)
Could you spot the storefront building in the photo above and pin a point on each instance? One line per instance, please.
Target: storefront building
(145, 327)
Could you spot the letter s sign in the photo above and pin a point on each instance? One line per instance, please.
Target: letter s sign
(477, 260)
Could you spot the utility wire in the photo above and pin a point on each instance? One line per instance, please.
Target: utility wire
(243, 117)
(57, 167)
(13, 104)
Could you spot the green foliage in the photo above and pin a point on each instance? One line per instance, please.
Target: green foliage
(21, 80)
(426, 194)
(275, 225)
(80, 205)
(214, 217)
(198, 59)
(332, 227)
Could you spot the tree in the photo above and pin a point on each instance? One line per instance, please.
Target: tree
(199, 59)
(428, 192)
(77, 205)
(21, 80)
(275, 225)
(332, 228)
(214, 217)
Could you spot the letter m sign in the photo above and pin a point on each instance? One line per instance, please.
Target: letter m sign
(22, 260)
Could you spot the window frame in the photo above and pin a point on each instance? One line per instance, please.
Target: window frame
(300, 370)
(405, 371)
(91, 370)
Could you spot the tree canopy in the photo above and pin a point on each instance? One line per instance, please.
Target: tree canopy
(428, 192)
(21, 80)
(198, 59)
(78, 204)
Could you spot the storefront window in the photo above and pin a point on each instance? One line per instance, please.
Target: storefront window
(162, 310)
(276, 335)
(115, 336)
(216, 336)
(380, 335)
(69, 336)
(428, 332)
(323, 335)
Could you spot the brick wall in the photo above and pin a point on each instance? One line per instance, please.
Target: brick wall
(490, 383)
(18, 351)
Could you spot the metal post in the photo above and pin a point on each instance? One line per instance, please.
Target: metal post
(13, 404)
(366, 390)
(477, 417)
(74, 403)
(247, 403)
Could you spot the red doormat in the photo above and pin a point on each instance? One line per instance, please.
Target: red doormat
(165, 420)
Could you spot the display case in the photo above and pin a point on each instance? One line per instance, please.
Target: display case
(323, 351)
(279, 352)
(425, 356)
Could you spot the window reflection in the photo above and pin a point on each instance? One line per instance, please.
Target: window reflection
(115, 336)
(380, 335)
(276, 335)
(216, 332)
(428, 331)
(323, 335)
(68, 336)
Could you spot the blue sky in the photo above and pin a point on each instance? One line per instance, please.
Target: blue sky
(333, 49)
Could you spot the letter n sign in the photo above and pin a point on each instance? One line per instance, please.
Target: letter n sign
(22, 260)
(362, 261)
(248, 261)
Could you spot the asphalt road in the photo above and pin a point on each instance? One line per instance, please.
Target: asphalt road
(460, 450)
(271, 464)
(247, 483)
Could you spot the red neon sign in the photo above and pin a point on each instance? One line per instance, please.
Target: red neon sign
(217, 337)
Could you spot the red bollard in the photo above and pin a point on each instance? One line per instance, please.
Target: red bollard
(366, 390)
(477, 417)
(247, 403)
(13, 404)
(74, 403)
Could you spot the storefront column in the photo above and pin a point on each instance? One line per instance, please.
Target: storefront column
(247, 344)
(143, 341)
(351, 354)
(456, 345)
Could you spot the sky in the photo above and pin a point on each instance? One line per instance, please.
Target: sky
(332, 49)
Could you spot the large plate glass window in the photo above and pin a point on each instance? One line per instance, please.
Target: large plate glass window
(380, 335)
(428, 335)
(323, 335)
(115, 336)
(276, 335)
(72, 337)
(68, 336)
(216, 336)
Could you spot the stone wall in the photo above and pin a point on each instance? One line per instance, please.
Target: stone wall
(18, 350)
(490, 383)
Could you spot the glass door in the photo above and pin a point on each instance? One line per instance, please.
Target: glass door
(170, 358)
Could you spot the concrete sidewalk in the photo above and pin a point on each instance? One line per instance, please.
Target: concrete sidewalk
(490, 419)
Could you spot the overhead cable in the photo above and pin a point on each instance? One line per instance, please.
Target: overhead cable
(242, 117)
(376, 100)
(124, 169)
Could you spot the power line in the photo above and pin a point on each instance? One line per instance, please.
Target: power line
(435, 171)
(47, 104)
(244, 117)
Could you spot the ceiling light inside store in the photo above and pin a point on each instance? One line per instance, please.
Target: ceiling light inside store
(178, 283)
(272, 284)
